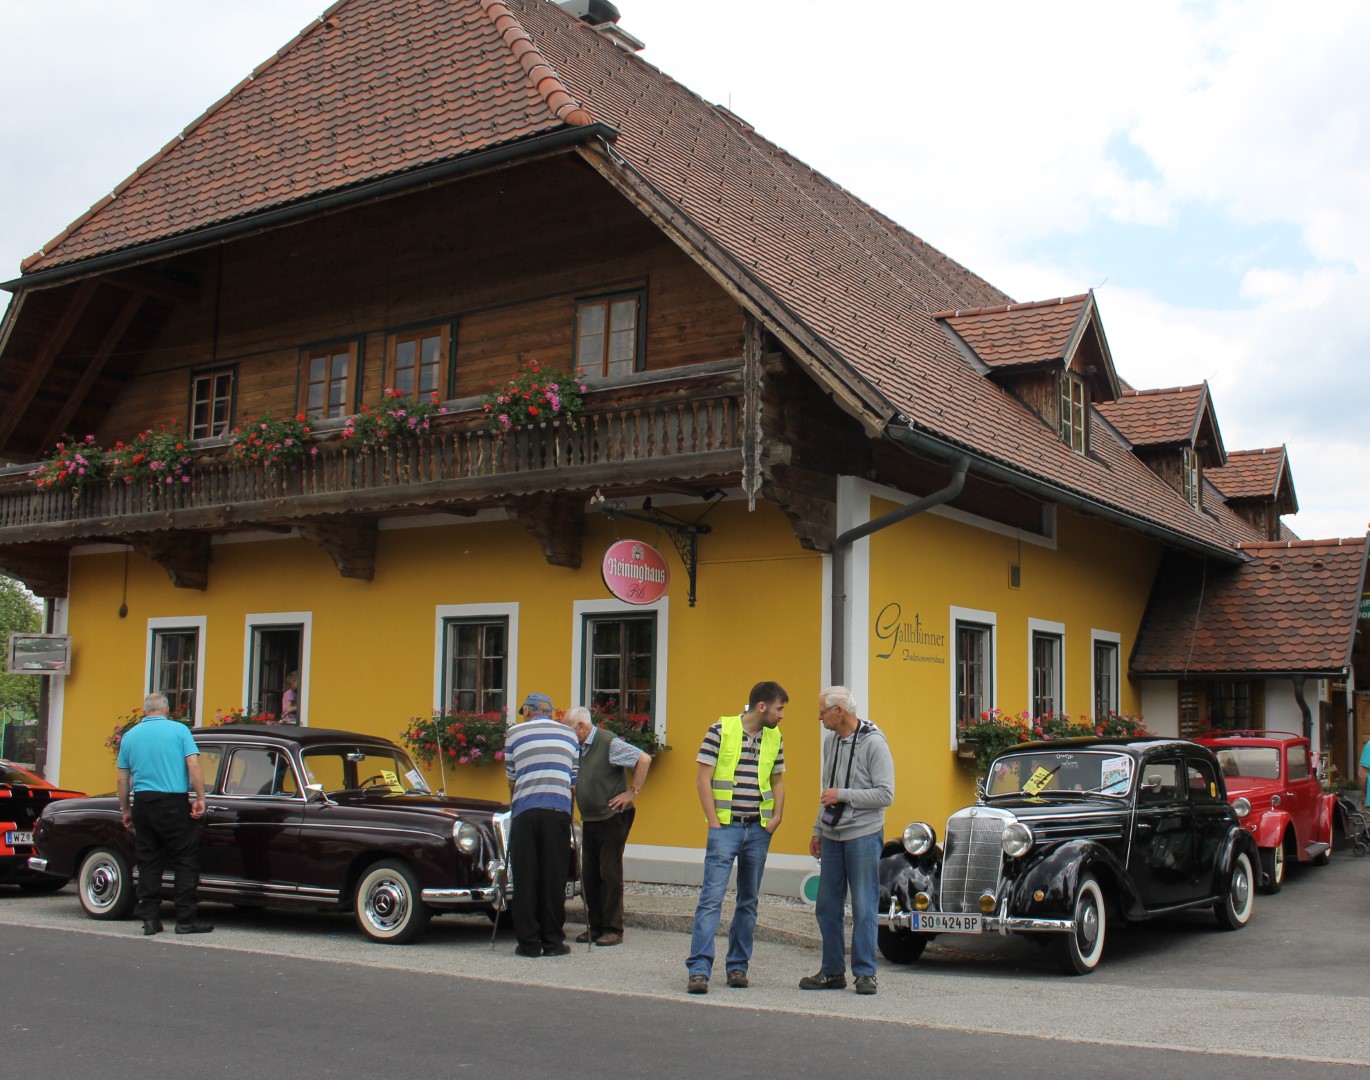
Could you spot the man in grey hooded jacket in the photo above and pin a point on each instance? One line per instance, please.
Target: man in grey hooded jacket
(858, 783)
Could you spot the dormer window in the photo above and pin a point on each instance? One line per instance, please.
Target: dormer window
(1189, 477)
(1073, 411)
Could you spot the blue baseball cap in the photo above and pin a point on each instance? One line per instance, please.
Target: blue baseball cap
(538, 701)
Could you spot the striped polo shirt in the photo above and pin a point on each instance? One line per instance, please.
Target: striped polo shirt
(541, 758)
(746, 785)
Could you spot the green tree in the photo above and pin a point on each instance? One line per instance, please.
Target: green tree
(19, 611)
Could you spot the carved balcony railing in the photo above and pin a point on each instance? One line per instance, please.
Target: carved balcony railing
(459, 460)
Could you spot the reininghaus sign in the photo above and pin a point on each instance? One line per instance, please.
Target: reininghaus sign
(635, 572)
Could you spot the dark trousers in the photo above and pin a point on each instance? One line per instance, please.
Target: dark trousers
(602, 866)
(540, 857)
(164, 832)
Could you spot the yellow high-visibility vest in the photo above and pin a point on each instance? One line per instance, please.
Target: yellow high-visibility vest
(729, 754)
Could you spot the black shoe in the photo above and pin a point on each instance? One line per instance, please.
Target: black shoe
(152, 926)
(738, 980)
(556, 950)
(823, 981)
(196, 927)
(529, 952)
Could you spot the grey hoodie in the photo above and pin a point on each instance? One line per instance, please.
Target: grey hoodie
(871, 787)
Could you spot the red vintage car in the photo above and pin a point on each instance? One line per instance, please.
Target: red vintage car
(23, 795)
(1288, 812)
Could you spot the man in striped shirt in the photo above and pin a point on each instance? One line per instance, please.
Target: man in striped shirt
(540, 759)
(742, 791)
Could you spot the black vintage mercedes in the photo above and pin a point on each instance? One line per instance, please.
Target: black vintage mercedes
(1065, 837)
(305, 817)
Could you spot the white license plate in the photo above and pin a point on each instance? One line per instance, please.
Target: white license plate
(14, 836)
(946, 924)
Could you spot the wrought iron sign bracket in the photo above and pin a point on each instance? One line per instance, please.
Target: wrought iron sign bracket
(684, 534)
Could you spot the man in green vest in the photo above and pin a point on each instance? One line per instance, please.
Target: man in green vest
(742, 792)
(605, 799)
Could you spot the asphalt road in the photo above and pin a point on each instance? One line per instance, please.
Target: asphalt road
(285, 994)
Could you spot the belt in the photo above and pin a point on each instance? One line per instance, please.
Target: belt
(746, 819)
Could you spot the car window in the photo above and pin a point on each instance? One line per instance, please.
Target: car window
(1202, 780)
(1160, 783)
(260, 771)
(1255, 762)
(1298, 762)
(340, 768)
(210, 758)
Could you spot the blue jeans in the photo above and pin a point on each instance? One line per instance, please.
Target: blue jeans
(746, 845)
(854, 865)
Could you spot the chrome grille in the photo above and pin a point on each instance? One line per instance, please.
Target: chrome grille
(973, 857)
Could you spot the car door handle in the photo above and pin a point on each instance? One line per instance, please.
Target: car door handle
(1144, 827)
(218, 809)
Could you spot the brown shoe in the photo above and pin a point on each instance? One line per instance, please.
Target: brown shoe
(583, 937)
(697, 984)
(609, 939)
(738, 980)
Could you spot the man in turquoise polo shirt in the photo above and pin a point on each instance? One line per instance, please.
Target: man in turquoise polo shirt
(159, 764)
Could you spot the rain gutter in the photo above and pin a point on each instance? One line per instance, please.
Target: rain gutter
(911, 439)
(843, 542)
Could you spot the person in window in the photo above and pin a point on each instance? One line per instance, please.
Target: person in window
(605, 798)
(158, 764)
(290, 699)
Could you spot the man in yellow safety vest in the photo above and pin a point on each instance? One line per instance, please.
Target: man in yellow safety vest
(742, 791)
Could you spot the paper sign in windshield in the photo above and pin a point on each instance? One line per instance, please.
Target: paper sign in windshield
(1114, 774)
(1038, 780)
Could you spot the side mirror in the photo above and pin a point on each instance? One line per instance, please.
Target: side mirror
(1153, 782)
(315, 793)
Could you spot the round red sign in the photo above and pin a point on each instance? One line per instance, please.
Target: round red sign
(635, 572)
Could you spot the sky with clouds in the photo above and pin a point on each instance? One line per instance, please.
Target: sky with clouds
(1204, 166)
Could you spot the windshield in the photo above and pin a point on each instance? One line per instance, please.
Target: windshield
(1257, 762)
(345, 768)
(12, 774)
(1031, 773)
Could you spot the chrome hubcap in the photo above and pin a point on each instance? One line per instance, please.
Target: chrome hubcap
(102, 885)
(387, 903)
(1088, 920)
(1241, 887)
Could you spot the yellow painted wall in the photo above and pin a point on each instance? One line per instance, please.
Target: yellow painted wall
(758, 617)
(1097, 577)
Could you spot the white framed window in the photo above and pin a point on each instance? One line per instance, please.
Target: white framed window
(1107, 671)
(620, 650)
(475, 658)
(1073, 411)
(277, 645)
(974, 671)
(176, 663)
(1189, 477)
(1046, 661)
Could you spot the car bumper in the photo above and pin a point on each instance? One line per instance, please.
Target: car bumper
(1002, 924)
(37, 865)
(440, 898)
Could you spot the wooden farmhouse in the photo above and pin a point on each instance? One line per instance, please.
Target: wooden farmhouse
(862, 463)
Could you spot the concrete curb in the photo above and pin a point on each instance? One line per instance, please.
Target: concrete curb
(775, 924)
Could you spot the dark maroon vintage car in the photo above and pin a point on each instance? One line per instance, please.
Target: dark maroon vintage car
(1282, 804)
(23, 796)
(306, 816)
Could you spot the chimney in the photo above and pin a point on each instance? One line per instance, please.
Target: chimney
(603, 16)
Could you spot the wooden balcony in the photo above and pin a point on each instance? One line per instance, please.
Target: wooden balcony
(541, 475)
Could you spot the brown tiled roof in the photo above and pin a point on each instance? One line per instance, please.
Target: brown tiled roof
(1014, 334)
(1290, 610)
(1257, 474)
(378, 87)
(1234, 527)
(369, 89)
(1157, 417)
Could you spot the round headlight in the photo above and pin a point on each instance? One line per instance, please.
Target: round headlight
(1241, 806)
(919, 838)
(467, 837)
(1017, 839)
